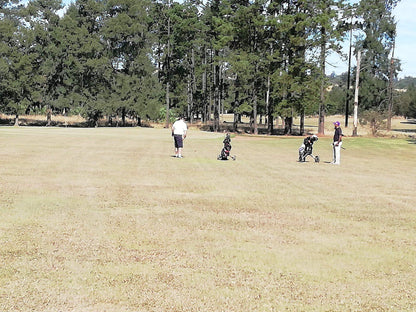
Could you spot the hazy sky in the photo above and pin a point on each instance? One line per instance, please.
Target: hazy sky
(405, 16)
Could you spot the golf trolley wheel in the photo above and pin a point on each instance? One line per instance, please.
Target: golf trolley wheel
(317, 159)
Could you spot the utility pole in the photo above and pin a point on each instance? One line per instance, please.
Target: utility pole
(357, 84)
(168, 72)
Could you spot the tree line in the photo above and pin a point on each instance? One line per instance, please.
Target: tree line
(153, 60)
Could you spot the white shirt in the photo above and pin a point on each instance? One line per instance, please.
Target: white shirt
(179, 127)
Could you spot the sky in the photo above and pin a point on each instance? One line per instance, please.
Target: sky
(405, 16)
(406, 37)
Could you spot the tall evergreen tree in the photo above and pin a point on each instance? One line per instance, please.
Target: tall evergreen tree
(42, 19)
(9, 22)
(23, 68)
(327, 35)
(250, 48)
(219, 35)
(379, 31)
(132, 86)
(87, 58)
(294, 68)
(111, 57)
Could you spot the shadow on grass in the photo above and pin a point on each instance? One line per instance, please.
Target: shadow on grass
(261, 128)
(41, 123)
(32, 122)
(404, 130)
(409, 122)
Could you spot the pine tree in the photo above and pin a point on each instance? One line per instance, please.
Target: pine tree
(42, 20)
(327, 32)
(133, 89)
(379, 31)
(9, 21)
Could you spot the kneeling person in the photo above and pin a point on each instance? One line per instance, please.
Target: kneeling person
(306, 148)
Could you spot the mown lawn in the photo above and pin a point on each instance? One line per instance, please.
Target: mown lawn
(106, 220)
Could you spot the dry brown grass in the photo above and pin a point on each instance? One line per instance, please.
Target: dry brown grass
(105, 220)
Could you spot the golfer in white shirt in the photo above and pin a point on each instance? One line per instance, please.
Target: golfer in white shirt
(179, 130)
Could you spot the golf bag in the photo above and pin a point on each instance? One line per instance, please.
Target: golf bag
(306, 149)
(225, 152)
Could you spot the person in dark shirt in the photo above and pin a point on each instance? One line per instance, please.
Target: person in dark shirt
(337, 143)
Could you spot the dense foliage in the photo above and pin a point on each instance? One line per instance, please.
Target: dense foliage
(148, 59)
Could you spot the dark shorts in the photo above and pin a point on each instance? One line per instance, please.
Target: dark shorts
(178, 141)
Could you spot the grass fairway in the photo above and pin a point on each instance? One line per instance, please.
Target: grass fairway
(106, 220)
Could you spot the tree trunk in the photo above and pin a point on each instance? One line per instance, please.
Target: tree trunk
(168, 77)
(189, 100)
(390, 108)
(204, 89)
(48, 117)
(373, 126)
(251, 123)
(123, 117)
(255, 126)
(321, 125)
(347, 100)
(235, 123)
(210, 95)
(216, 97)
(288, 125)
(65, 117)
(269, 109)
(357, 85)
(302, 123)
(167, 105)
